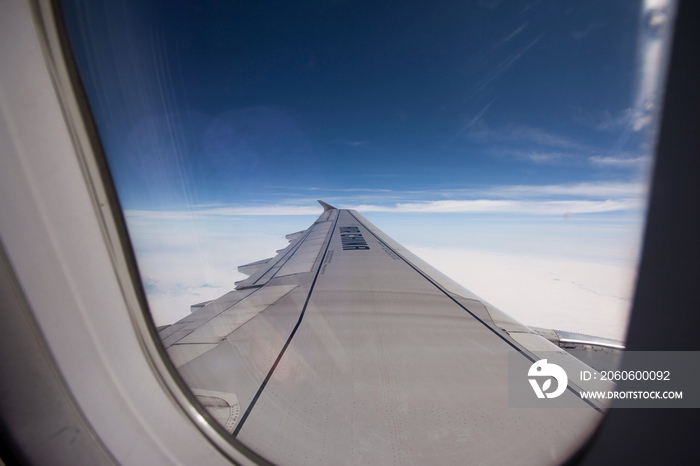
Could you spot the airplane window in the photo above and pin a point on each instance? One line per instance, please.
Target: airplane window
(506, 145)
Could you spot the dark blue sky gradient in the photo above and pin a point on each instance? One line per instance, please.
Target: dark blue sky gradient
(220, 102)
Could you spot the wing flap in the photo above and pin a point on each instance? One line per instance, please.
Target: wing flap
(292, 236)
(228, 321)
(251, 268)
(196, 319)
(297, 257)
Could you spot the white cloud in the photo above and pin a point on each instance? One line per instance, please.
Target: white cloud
(593, 298)
(586, 190)
(526, 133)
(509, 206)
(621, 161)
(478, 130)
(541, 290)
(233, 211)
(636, 118)
(615, 122)
(555, 199)
(545, 157)
(184, 262)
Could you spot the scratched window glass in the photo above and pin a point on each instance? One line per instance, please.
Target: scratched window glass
(482, 170)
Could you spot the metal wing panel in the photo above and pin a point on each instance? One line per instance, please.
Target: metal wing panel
(228, 321)
(385, 364)
(368, 358)
(251, 268)
(304, 258)
(495, 316)
(200, 316)
(305, 243)
(203, 336)
(449, 284)
(264, 273)
(239, 365)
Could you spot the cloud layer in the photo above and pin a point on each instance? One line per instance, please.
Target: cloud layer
(563, 199)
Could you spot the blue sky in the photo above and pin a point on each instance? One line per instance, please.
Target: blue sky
(223, 103)
(520, 127)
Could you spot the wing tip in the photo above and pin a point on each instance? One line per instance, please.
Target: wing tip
(326, 207)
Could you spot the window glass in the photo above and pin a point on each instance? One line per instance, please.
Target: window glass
(506, 143)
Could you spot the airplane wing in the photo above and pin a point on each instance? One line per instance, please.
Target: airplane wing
(347, 348)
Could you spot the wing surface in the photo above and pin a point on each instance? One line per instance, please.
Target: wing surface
(347, 348)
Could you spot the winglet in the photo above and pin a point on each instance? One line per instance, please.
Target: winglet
(326, 207)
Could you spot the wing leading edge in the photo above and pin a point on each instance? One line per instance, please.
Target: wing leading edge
(347, 347)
